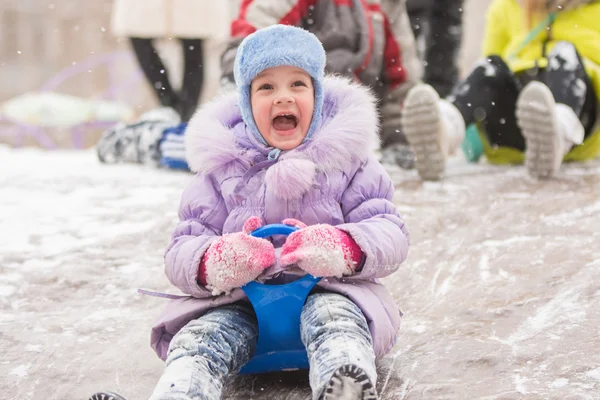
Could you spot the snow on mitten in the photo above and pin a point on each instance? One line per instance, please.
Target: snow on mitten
(235, 259)
(321, 250)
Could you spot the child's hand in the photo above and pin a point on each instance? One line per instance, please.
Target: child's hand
(321, 250)
(235, 259)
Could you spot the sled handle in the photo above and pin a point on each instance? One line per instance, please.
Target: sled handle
(273, 229)
(278, 308)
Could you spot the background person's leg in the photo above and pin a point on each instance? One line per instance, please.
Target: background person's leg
(193, 77)
(556, 113)
(154, 70)
(442, 45)
(435, 128)
(569, 83)
(418, 14)
(488, 96)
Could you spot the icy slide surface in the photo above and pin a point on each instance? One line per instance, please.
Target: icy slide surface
(501, 289)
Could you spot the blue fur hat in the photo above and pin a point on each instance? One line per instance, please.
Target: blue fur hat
(275, 46)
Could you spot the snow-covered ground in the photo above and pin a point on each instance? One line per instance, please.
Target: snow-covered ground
(501, 289)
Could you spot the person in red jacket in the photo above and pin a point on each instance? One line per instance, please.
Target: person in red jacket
(369, 41)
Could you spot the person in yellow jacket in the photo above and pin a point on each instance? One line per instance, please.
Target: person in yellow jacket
(534, 97)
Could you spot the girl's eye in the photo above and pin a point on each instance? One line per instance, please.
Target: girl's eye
(299, 83)
(265, 86)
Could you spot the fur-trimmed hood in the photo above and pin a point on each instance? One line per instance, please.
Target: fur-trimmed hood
(217, 139)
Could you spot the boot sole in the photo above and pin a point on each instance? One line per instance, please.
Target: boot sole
(538, 125)
(422, 125)
(350, 383)
(106, 396)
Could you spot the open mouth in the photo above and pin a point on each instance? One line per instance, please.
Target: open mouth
(285, 122)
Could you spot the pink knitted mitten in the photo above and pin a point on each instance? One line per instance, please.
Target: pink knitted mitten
(321, 250)
(235, 259)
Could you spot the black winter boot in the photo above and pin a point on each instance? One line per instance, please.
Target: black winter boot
(350, 382)
(106, 396)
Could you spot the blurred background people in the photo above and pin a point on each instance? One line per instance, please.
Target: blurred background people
(190, 22)
(43, 43)
(533, 96)
(368, 41)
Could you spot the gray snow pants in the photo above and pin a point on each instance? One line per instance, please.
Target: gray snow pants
(207, 350)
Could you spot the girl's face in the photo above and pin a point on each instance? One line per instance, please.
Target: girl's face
(282, 100)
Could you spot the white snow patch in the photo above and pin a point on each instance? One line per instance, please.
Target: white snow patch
(510, 241)
(561, 382)
(553, 64)
(462, 89)
(594, 374)
(571, 217)
(7, 290)
(11, 277)
(129, 269)
(484, 267)
(21, 371)
(38, 263)
(519, 382)
(505, 275)
(564, 310)
(595, 263)
(34, 348)
(6, 317)
(568, 54)
(489, 69)
(111, 313)
(579, 88)
(445, 286)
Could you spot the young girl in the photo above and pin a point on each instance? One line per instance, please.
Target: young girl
(534, 97)
(290, 146)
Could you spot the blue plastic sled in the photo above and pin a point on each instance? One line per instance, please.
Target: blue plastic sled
(278, 309)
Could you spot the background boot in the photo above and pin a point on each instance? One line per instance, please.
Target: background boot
(550, 130)
(434, 128)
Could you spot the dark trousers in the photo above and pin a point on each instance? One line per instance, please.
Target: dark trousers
(186, 101)
(489, 94)
(439, 24)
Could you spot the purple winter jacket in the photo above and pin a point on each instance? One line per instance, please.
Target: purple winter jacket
(331, 178)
